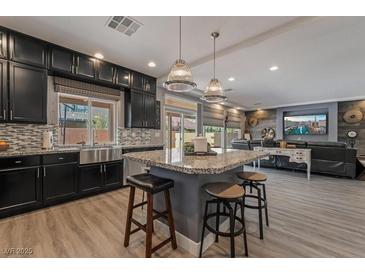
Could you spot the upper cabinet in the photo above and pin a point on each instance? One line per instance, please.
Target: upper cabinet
(122, 77)
(27, 93)
(28, 50)
(61, 60)
(3, 43)
(143, 83)
(3, 90)
(105, 71)
(85, 66)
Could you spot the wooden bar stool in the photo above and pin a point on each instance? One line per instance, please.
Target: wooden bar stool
(225, 193)
(151, 185)
(256, 180)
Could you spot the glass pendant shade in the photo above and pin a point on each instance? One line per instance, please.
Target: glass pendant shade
(214, 92)
(180, 78)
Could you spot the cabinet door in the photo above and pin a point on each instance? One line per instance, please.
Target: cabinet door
(90, 178)
(113, 173)
(3, 44)
(3, 90)
(85, 66)
(149, 111)
(27, 93)
(61, 60)
(158, 115)
(20, 190)
(137, 109)
(59, 182)
(122, 77)
(137, 81)
(105, 71)
(149, 84)
(27, 50)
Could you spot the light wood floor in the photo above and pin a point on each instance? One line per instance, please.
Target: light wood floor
(321, 218)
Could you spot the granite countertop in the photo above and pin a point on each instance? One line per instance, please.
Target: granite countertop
(67, 149)
(36, 151)
(175, 160)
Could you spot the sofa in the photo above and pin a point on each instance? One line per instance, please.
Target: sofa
(332, 158)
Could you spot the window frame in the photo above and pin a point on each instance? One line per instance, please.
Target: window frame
(90, 138)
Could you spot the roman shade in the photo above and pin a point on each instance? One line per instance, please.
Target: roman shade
(234, 118)
(69, 86)
(213, 115)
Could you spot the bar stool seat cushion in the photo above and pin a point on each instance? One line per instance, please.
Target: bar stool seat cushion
(252, 176)
(224, 190)
(150, 183)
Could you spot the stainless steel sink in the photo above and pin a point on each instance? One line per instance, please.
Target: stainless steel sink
(100, 154)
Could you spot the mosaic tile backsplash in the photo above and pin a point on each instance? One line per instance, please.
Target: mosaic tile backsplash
(27, 136)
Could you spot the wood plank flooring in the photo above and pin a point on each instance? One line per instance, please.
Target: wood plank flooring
(321, 218)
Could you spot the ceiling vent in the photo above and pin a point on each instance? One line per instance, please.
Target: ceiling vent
(124, 24)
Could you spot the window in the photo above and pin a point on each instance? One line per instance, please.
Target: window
(214, 135)
(232, 133)
(85, 120)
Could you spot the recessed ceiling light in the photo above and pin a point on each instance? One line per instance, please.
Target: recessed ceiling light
(152, 64)
(259, 109)
(273, 68)
(99, 55)
(231, 79)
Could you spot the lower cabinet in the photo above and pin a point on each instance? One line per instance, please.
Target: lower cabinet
(98, 177)
(90, 178)
(59, 182)
(20, 190)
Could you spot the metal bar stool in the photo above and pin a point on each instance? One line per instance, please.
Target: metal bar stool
(151, 185)
(256, 180)
(225, 193)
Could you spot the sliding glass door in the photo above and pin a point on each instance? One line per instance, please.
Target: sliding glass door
(180, 128)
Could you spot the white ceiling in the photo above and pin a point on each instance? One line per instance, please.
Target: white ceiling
(319, 59)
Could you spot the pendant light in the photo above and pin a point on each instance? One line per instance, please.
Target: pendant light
(180, 78)
(214, 92)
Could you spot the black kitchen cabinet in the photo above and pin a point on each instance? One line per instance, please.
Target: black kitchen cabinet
(3, 90)
(149, 111)
(113, 174)
(149, 84)
(26, 49)
(122, 77)
(105, 71)
(59, 177)
(20, 185)
(61, 60)
(137, 81)
(27, 94)
(158, 115)
(139, 109)
(85, 66)
(90, 178)
(3, 43)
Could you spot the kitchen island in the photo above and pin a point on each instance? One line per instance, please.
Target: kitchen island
(190, 173)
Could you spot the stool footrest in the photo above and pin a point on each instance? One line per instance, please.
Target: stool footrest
(163, 243)
(224, 234)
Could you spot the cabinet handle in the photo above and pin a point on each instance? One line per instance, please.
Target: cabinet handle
(60, 158)
(18, 162)
(104, 168)
(38, 173)
(11, 114)
(101, 168)
(44, 172)
(4, 114)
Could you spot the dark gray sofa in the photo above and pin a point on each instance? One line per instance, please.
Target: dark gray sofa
(333, 158)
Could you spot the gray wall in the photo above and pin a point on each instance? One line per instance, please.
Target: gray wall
(266, 119)
(343, 127)
(331, 108)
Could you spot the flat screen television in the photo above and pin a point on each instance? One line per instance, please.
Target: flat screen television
(308, 124)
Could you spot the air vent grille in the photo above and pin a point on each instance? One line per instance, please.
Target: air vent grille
(124, 24)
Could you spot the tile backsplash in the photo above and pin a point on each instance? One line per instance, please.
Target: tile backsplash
(21, 136)
(24, 136)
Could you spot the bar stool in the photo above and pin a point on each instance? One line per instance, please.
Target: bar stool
(151, 185)
(256, 180)
(225, 193)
